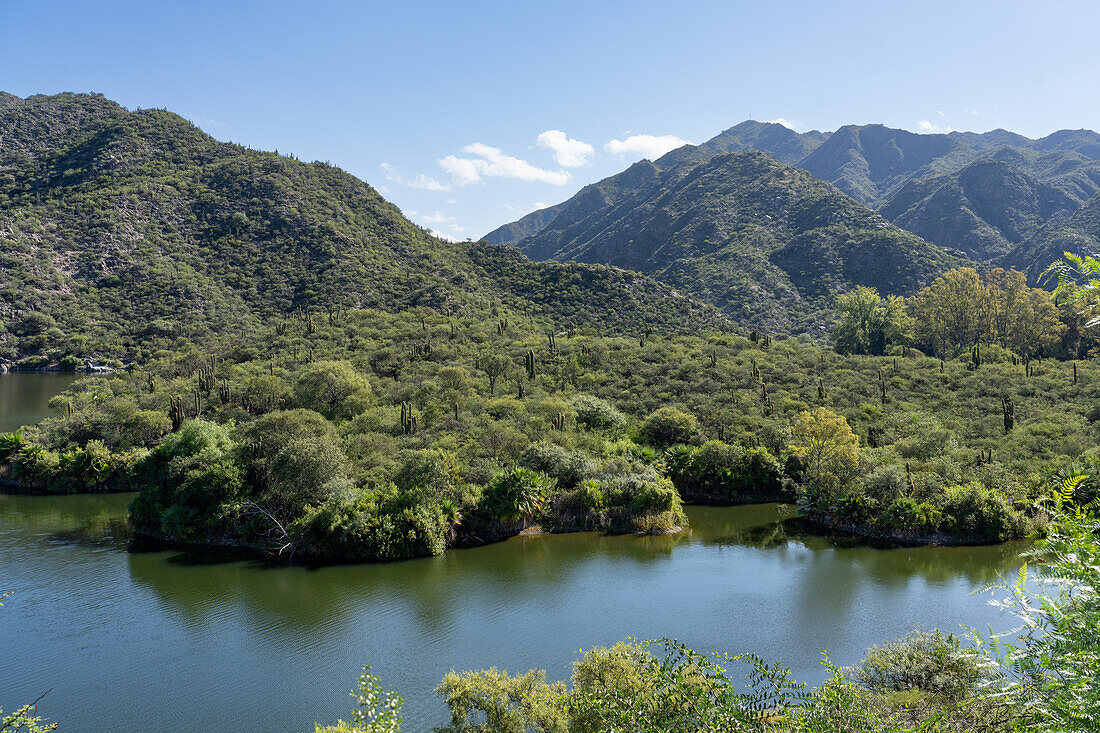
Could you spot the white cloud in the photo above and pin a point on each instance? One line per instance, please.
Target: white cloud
(426, 183)
(568, 152)
(926, 126)
(441, 219)
(443, 235)
(437, 218)
(786, 123)
(492, 162)
(647, 146)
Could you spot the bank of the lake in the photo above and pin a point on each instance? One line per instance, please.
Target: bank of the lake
(184, 641)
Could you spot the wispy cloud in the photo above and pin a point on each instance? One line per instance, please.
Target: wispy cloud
(490, 162)
(568, 152)
(647, 146)
(524, 210)
(205, 122)
(426, 183)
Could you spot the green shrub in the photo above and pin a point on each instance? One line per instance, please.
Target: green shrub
(929, 661)
(592, 412)
(668, 426)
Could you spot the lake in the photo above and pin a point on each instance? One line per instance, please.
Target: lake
(179, 641)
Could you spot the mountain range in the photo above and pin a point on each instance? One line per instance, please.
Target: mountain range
(983, 198)
(120, 229)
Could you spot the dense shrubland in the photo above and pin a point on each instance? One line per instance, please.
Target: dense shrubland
(366, 434)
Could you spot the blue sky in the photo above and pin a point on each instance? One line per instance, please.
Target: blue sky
(468, 114)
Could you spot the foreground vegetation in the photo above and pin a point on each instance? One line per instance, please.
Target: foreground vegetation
(369, 435)
(1043, 676)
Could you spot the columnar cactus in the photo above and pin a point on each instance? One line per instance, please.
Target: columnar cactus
(175, 412)
(408, 419)
(1009, 413)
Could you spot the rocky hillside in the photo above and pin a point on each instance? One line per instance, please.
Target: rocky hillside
(985, 209)
(767, 243)
(1079, 233)
(922, 182)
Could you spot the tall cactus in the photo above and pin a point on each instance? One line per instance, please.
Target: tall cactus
(175, 412)
(1008, 410)
(529, 363)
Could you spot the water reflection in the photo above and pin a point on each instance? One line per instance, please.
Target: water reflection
(279, 645)
(24, 397)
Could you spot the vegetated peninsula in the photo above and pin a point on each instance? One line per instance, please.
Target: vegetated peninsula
(317, 377)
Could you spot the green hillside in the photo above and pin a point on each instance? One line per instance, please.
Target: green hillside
(1079, 233)
(984, 209)
(118, 227)
(767, 243)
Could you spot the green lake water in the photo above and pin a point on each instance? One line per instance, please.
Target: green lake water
(176, 641)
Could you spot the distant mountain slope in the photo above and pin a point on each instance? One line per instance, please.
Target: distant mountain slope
(767, 243)
(779, 141)
(1079, 233)
(525, 226)
(983, 209)
(117, 226)
(783, 143)
(874, 164)
(871, 162)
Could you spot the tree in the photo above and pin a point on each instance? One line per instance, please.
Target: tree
(495, 366)
(1049, 663)
(953, 313)
(961, 309)
(333, 388)
(668, 426)
(506, 704)
(827, 447)
(869, 323)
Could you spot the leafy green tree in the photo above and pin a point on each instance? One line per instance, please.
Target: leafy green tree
(1049, 664)
(669, 426)
(828, 449)
(869, 323)
(491, 701)
(334, 388)
(494, 366)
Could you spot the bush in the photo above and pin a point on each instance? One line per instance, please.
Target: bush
(334, 388)
(568, 468)
(516, 495)
(929, 661)
(668, 426)
(973, 512)
(592, 412)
